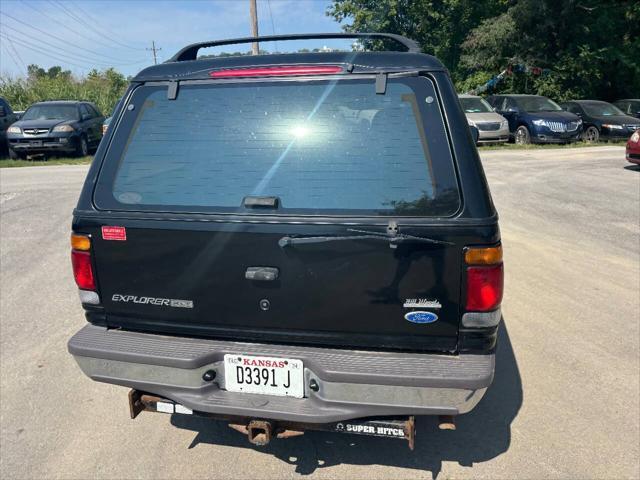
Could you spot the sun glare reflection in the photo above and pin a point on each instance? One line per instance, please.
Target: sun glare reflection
(300, 131)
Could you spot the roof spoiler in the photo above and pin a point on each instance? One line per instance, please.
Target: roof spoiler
(190, 52)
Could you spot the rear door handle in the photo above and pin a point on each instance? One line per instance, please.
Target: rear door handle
(262, 274)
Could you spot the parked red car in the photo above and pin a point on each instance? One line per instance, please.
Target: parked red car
(633, 148)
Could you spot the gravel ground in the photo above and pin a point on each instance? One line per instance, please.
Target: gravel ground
(564, 404)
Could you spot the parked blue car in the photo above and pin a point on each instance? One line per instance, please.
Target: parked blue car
(537, 119)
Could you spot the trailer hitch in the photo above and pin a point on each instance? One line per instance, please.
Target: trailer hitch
(262, 431)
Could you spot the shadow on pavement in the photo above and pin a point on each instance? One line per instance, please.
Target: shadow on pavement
(633, 168)
(481, 435)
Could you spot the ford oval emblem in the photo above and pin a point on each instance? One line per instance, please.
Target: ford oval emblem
(421, 317)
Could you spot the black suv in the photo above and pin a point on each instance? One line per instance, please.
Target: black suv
(602, 120)
(7, 117)
(291, 241)
(66, 127)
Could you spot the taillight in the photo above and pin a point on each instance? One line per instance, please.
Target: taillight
(81, 262)
(485, 278)
(277, 71)
(484, 288)
(82, 270)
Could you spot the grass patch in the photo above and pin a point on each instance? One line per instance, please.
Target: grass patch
(8, 163)
(535, 146)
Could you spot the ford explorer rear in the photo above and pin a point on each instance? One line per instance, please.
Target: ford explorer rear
(291, 242)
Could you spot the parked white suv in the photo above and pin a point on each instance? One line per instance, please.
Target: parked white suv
(492, 127)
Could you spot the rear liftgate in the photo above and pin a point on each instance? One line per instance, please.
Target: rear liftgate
(262, 431)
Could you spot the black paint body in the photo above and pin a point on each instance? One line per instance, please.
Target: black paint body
(347, 294)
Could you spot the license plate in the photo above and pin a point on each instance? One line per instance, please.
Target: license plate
(264, 375)
(36, 143)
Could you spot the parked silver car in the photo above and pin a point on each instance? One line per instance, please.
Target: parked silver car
(492, 127)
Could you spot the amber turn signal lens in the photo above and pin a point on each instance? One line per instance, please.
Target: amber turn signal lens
(80, 242)
(483, 256)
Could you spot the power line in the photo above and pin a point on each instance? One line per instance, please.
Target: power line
(68, 12)
(60, 39)
(81, 21)
(67, 53)
(99, 29)
(64, 24)
(17, 54)
(15, 62)
(38, 50)
(43, 50)
(273, 25)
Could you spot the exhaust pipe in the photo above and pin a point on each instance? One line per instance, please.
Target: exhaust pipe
(447, 422)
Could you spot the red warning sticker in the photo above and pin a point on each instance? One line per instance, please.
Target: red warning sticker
(114, 233)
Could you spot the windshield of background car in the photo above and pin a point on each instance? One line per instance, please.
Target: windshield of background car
(475, 105)
(320, 147)
(601, 109)
(51, 112)
(537, 104)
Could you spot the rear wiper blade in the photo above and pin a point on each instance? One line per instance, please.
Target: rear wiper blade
(393, 240)
(287, 241)
(402, 237)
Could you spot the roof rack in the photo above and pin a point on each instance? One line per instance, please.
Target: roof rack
(190, 52)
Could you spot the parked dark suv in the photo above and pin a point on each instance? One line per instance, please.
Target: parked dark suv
(536, 119)
(291, 241)
(602, 120)
(7, 117)
(67, 127)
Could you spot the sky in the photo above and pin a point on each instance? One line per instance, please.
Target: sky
(80, 35)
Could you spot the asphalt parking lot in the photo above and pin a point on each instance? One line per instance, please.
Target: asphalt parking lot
(565, 400)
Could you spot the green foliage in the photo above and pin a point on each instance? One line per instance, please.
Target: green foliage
(104, 88)
(439, 26)
(592, 47)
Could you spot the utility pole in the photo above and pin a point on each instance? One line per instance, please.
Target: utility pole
(154, 50)
(253, 10)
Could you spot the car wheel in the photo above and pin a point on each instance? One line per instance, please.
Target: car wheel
(82, 149)
(522, 136)
(591, 135)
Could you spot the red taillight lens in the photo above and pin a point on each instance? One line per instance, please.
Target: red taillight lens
(484, 288)
(277, 71)
(82, 270)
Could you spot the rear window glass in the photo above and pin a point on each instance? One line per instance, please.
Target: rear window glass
(320, 147)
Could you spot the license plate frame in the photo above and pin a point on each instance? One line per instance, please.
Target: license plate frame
(277, 376)
(35, 143)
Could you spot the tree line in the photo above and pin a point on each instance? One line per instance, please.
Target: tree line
(586, 48)
(104, 88)
(559, 48)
